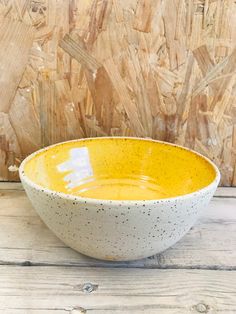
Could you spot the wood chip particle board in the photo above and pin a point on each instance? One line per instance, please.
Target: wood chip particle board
(159, 69)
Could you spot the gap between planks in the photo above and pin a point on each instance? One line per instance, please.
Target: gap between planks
(120, 265)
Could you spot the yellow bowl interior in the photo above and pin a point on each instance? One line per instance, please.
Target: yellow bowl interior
(119, 169)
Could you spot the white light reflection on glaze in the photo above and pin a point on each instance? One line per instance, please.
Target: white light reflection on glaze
(79, 167)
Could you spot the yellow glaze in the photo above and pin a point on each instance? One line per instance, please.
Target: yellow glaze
(120, 169)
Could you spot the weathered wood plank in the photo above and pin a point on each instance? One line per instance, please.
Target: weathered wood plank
(24, 239)
(11, 186)
(44, 311)
(123, 290)
(80, 310)
(226, 192)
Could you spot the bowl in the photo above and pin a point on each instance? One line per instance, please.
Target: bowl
(118, 198)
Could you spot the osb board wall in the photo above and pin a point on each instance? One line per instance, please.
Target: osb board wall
(153, 68)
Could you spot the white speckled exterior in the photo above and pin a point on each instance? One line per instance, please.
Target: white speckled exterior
(118, 230)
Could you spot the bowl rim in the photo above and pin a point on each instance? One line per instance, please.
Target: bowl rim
(72, 197)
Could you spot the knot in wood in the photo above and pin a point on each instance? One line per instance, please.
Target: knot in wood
(88, 287)
(201, 308)
(78, 310)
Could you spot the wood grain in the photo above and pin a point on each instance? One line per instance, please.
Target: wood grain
(25, 240)
(159, 69)
(88, 290)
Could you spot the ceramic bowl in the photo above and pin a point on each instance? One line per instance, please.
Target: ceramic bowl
(118, 198)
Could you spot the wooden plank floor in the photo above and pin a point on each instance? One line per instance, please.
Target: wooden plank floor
(39, 274)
